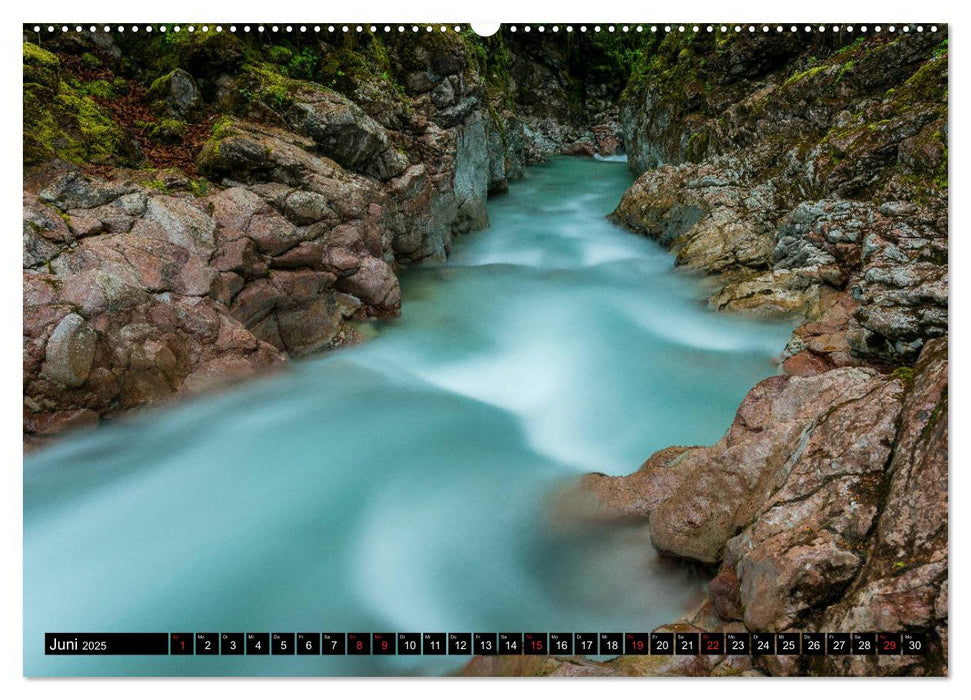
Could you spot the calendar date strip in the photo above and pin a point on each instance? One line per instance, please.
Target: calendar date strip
(485, 643)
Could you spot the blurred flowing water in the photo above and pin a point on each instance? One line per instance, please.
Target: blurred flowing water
(403, 485)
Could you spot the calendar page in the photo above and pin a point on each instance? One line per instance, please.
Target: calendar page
(453, 349)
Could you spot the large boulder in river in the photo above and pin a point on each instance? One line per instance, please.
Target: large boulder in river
(794, 438)
(713, 218)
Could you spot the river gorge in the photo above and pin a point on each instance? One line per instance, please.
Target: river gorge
(424, 331)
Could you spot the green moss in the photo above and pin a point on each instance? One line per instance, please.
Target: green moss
(344, 68)
(222, 128)
(490, 58)
(280, 54)
(90, 61)
(41, 68)
(852, 48)
(156, 184)
(263, 84)
(927, 84)
(167, 131)
(278, 97)
(200, 187)
(69, 125)
(803, 75)
(304, 64)
(846, 68)
(153, 56)
(100, 88)
(905, 374)
(697, 146)
(160, 87)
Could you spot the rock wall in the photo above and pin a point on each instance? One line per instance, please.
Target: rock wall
(797, 169)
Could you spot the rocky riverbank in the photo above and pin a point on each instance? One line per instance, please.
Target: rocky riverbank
(804, 178)
(198, 208)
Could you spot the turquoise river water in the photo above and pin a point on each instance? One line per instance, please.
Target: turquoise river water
(403, 485)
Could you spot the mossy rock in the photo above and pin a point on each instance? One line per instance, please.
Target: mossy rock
(927, 84)
(70, 125)
(905, 374)
(167, 131)
(223, 127)
(799, 76)
(697, 147)
(231, 156)
(441, 52)
(176, 95)
(41, 68)
(263, 90)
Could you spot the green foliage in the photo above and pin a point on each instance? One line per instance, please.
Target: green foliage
(615, 58)
(150, 56)
(489, 57)
(672, 64)
(344, 68)
(304, 64)
(265, 85)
